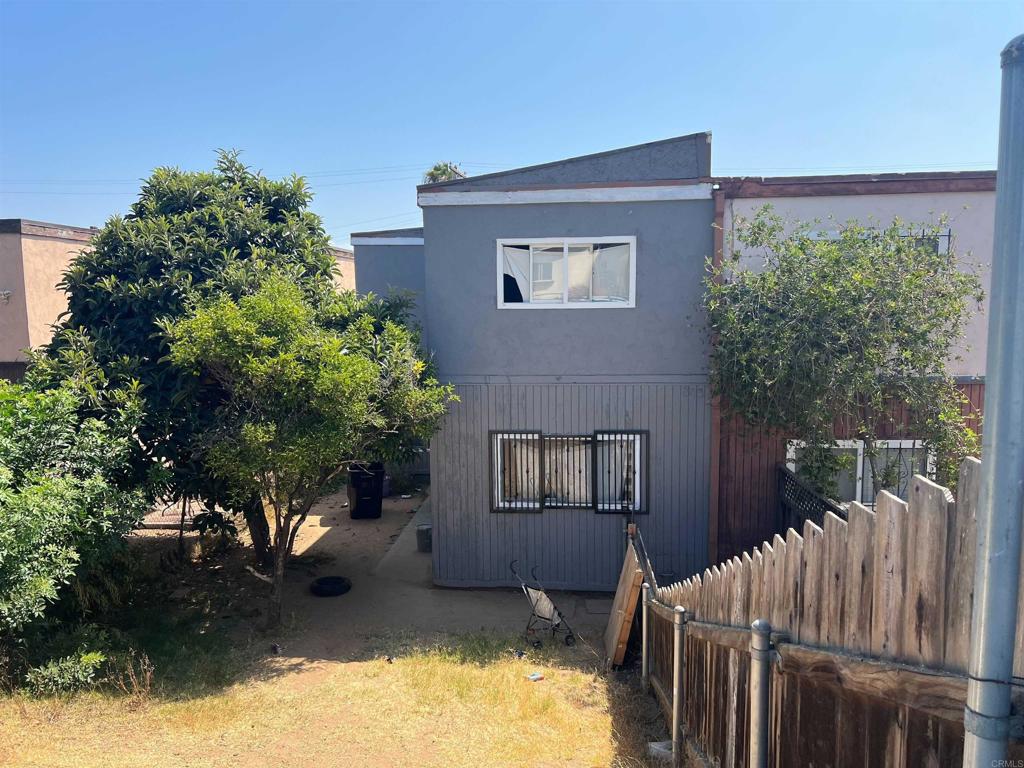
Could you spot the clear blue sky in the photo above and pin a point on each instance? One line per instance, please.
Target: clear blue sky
(362, 97)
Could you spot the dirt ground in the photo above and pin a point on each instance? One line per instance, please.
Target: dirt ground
(397, 672)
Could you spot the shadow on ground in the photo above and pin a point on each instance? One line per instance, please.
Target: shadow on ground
(199, 622)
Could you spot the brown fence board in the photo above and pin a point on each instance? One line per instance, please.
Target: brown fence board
(616, 634)
(925, 607)
(960, 557)
(833, 586)
(890, 581)
(860, 557)
(809, 630)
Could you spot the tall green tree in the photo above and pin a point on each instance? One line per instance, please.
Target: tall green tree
(811, 331)
(311, 386)
(443, 171)
(190, 235)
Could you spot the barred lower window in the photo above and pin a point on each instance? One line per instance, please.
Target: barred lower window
(895, 463)
(603, 471)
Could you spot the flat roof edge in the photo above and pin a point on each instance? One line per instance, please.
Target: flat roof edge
(857, 184)
(47, 229)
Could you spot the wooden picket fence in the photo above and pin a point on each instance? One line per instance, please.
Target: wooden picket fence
(870, 623)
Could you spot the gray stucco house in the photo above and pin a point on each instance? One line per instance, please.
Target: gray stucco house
(564, 302)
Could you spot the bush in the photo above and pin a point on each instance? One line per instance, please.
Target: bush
(67, 675)
(63, 513)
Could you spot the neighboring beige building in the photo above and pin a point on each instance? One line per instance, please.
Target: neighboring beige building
(33, 257)
(346, 261)
(966, 198)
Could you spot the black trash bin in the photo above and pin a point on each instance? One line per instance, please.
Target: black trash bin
(365, 490)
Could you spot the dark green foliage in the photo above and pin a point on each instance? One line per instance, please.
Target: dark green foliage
(828, 330)
(214, 524)
(189, 236)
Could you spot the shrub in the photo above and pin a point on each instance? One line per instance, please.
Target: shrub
(63, 512)
(67, 675)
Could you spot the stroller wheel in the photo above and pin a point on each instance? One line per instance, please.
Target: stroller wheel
(570, 639)
(536, 643)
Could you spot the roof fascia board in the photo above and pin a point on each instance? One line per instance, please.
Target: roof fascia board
(387, 241)
(603, 194)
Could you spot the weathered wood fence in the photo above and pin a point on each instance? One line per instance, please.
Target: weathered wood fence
(869, 639)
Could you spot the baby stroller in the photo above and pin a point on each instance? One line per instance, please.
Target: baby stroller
(544, 614)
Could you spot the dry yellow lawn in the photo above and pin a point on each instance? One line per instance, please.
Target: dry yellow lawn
(466, 703)
(454, 694)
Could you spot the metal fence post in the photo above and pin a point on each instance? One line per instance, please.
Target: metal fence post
(760, 658)
(678, 670)
(1001, 497)
(645, 656)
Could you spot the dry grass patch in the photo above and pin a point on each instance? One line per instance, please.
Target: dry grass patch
(462, 701)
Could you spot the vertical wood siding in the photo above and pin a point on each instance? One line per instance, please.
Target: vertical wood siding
(573, 548)
(748, 498)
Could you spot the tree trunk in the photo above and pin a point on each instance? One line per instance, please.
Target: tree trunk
(181, 528)
(277, 590)
(259, 531)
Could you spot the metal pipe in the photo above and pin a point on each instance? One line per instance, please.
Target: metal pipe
(678, 669)
(645, 654)
(760, 669)
(1001, 501)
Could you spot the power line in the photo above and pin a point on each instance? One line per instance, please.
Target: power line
(308, 175)
(379, 218)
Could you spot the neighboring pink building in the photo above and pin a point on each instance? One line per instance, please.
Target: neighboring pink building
(33, 257)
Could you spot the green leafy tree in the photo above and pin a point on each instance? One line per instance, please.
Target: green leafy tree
(444, 171)
(835, 330)
(310, 387)
(189, 236)
(64, 505)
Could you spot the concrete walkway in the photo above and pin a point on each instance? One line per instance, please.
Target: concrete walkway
(393, 592)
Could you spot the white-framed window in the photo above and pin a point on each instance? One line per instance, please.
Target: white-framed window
(603, 471)
(566, 272)
(896, 461)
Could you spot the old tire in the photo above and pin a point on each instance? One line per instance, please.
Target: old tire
(330, 586)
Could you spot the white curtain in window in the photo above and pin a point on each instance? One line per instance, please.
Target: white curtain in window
(517, 265)
(581, 272)
(548, 273)
(611, 272)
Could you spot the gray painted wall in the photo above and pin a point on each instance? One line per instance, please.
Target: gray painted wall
(384, 268)
(684, 157)
(663, 335)
(578, 549)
